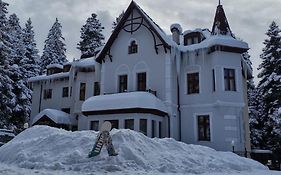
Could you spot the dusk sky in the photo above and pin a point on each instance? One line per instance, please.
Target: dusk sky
(248, 19)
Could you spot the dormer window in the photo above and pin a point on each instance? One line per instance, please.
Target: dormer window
(133, 47)
(193, 38)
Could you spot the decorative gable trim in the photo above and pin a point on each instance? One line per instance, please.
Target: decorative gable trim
(153, 28)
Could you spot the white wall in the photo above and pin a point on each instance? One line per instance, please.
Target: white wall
(217, 104)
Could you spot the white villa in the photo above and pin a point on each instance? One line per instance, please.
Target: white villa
(189, 85)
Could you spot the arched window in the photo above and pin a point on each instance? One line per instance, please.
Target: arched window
(133, 47)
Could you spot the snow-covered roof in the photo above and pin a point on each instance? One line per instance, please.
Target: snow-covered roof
(205, 32)
(176, 26)
(57, 116)
(128, 100)
(55, 66)
(213, 40)
(87, 62)
(159, 30)
(49, 77)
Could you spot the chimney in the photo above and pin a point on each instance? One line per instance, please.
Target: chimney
(176, 32)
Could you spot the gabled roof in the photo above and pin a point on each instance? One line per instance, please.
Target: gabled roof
(153, 26)
(220, 25)
(59, 117)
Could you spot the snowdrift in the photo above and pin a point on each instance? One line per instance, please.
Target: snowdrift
(43, 147)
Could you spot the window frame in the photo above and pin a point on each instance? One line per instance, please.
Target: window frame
(141, 81)
(160, 129)
(96, 88)
(82, 92)
(153, 128)
(92, 126)
(65, 92)
(114, 123)
(191, 82)
(66, 110)
(214, 79)
(122, 86)
(145, 126)
(207, 133)
(229, 77)
(129, 120)
(133, 47)
(47, 94)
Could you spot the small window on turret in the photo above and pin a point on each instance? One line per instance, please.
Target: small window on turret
(133, 47)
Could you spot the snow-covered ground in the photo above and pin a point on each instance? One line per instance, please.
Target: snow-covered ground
(46, 150)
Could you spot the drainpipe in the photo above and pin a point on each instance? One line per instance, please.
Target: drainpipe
(40, 99)
(179, 110)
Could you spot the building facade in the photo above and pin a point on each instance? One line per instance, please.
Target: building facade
(189, 85)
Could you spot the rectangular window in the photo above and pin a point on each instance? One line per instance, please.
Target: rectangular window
(96, 88)
(123, 83)
(66, 110)
(141, 81)
(94, 125)
(214, 80)
(143, 126)
(153, 128)
(193, 83)
(82, 91)
(114, 123)
(47, 93)
(229, 80)
(129, 124)
(133, 48)
(203, 128)
(160, 129)
(65, 92)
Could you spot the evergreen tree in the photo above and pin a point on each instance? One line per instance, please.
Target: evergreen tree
(117, 20)
(7, 97)
(54, 49)
(21, 110)
(269, 90)
(92, 37)
(253, 104)
(31, 63)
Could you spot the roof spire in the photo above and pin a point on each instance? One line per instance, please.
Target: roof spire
(220, 25)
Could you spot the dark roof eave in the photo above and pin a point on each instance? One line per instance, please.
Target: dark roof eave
(126, 111)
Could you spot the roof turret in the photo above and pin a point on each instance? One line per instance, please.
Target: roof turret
(220, 25)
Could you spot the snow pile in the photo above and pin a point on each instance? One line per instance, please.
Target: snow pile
(43, 147)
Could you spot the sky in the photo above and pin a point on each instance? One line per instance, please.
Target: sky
(248, 19)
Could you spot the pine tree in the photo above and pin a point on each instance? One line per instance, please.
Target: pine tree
(21, 110)
(54, 49)
(269, 89)
(92, 37)
(7, 97)
(253, 104)
(31, 63)
(117, 20)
